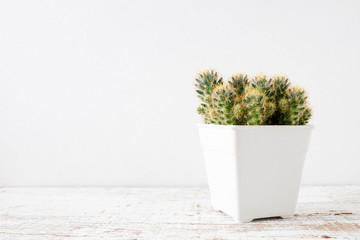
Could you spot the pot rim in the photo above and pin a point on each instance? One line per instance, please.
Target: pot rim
(202, 125)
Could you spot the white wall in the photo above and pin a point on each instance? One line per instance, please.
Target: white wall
(96, 93)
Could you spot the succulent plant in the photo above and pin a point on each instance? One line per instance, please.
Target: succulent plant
(254, 102)
(260, 82)
(259, 101)
(294, 107)
(205, 82)
(278, 85)
(239, 81)
(258, 107)
(223, 99)
(239, 112)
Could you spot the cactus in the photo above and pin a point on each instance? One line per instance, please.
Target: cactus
(223, 99)
(239, 112)
(260, 82)
(239, 81)
(305, 115)
(205, 82)
(270, 109)
(294, 107)
(258, 108)
(278, 85)
(256, 102)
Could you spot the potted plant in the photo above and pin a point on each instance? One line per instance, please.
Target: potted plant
(254, 141)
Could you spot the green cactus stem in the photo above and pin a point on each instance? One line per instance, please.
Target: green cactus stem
(305, 115)
(278, 85)
(239, 82)
(239, 112)
(223, 99)
(260, 82)
(205, 82)
(270, 109)
(294, 108)
(255, 106)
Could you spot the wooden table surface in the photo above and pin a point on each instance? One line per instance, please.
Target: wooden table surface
(167, 213)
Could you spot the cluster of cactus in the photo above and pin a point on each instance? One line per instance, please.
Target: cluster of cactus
(255, 101)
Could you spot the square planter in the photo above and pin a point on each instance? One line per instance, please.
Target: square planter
(254, 171)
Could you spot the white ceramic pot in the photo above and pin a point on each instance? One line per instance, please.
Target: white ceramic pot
(254, 171)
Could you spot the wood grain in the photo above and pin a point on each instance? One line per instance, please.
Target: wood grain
(167, 213)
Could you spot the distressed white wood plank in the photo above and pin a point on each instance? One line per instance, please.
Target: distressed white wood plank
(167, 213)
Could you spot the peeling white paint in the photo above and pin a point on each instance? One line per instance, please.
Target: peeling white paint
(167, 213)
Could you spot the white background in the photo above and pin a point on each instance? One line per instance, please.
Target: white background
(100, 93)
